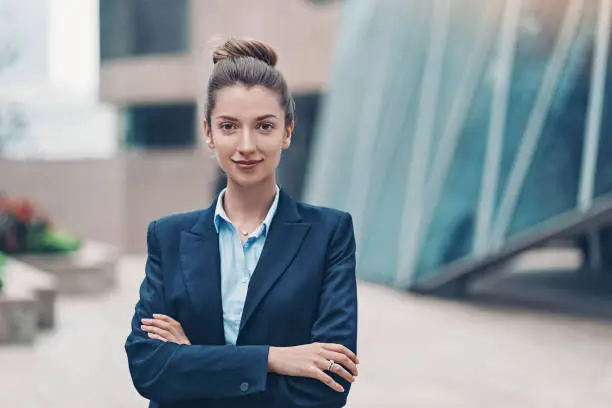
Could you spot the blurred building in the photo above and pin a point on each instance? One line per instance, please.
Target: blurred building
(460, 133)
(155, 59)
(135, 153)
(43, 115)
(57, 141)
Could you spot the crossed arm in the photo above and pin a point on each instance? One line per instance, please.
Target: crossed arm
(165, 367)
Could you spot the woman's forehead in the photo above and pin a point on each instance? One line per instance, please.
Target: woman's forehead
(252, 102)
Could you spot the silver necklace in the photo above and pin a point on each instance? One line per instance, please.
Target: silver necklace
(246, 233)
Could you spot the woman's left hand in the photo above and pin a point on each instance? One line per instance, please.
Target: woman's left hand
(165, 328)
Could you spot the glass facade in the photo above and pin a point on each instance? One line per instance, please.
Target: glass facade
(161, 126)
(292, 169)
(143, 27)
(476, 124)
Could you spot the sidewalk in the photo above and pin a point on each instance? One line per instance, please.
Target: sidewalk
(415, 351)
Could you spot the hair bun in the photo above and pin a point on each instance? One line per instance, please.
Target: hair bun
(239, 48)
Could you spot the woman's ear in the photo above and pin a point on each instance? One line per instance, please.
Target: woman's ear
(287, 136)
(208, 134)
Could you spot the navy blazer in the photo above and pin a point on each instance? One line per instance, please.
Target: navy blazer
(303, 290)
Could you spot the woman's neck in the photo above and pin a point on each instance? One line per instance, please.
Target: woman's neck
(243, 204)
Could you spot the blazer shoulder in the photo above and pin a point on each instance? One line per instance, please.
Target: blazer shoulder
(177, 222)
(326, 215)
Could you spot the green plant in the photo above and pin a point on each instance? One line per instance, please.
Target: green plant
(2, 263)
(23, 230)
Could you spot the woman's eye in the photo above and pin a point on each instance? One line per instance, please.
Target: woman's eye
(266, 126)
(227, 126)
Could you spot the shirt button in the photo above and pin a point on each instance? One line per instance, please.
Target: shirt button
(244, 387)
(244, 280)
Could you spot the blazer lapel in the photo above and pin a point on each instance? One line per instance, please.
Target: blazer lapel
(200, 263)
(283, 242)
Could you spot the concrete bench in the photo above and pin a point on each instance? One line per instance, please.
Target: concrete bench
(27, 302)
(92, 269)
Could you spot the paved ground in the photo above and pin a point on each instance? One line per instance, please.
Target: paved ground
(416, 352)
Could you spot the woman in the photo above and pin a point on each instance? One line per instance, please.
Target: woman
(251, 302)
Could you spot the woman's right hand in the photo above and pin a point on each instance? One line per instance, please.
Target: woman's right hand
(313, 360)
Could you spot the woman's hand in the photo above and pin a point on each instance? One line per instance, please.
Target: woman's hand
(312, 360)
(165, 328)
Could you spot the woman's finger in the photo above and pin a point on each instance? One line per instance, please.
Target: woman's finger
(155, 336)
(160, 332)
(336, 369)
(165, 318)
(343, 360)
(162, 324)
(327, 380)
(339, 348)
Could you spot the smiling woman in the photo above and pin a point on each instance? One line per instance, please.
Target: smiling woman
(248, 132)
(251, 302)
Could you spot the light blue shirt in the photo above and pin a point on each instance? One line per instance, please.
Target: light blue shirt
(238, 263)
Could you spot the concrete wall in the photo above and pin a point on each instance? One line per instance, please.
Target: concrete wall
(303, 35)
(113, 200)
(162, 183)
(150, 79)
(83, 196)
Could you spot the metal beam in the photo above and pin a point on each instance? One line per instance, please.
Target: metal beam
(406, 76)
(596, 104)
(447, 144)
(536, 122)
(423, 137)
(372, 107)
(497, 125)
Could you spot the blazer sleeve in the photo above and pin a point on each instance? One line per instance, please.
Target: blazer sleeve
(168, 372)
(336, 322)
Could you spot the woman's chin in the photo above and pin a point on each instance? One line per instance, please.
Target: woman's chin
(248, 180)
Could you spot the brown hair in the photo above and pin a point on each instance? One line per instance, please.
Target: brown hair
(250, 63)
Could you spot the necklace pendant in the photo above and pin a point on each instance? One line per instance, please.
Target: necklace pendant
(244, 233)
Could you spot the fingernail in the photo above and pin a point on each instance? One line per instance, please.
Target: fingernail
(156, 315)
(145, 320)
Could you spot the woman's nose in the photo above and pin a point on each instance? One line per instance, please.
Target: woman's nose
(247, 142)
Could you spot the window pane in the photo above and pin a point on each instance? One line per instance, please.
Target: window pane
(141, 27)
(551, 185)
(161, 126)
(537, 32)
(449, 235)
(292, 169)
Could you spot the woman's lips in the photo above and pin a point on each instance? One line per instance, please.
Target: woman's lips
(247, 164)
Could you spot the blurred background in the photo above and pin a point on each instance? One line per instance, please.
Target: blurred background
(471, 141)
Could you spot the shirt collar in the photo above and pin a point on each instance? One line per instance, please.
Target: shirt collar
(220, 213)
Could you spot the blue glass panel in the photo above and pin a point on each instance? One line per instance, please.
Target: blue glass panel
(389, 161)
(537, 32)
(603, 174)
(450, 234)
(551, 185)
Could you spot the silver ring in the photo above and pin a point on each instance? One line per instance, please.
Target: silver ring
(331, 365)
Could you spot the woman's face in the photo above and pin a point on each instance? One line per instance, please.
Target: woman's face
(247, 131)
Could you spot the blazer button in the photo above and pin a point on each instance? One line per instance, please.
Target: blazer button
(244, 387)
